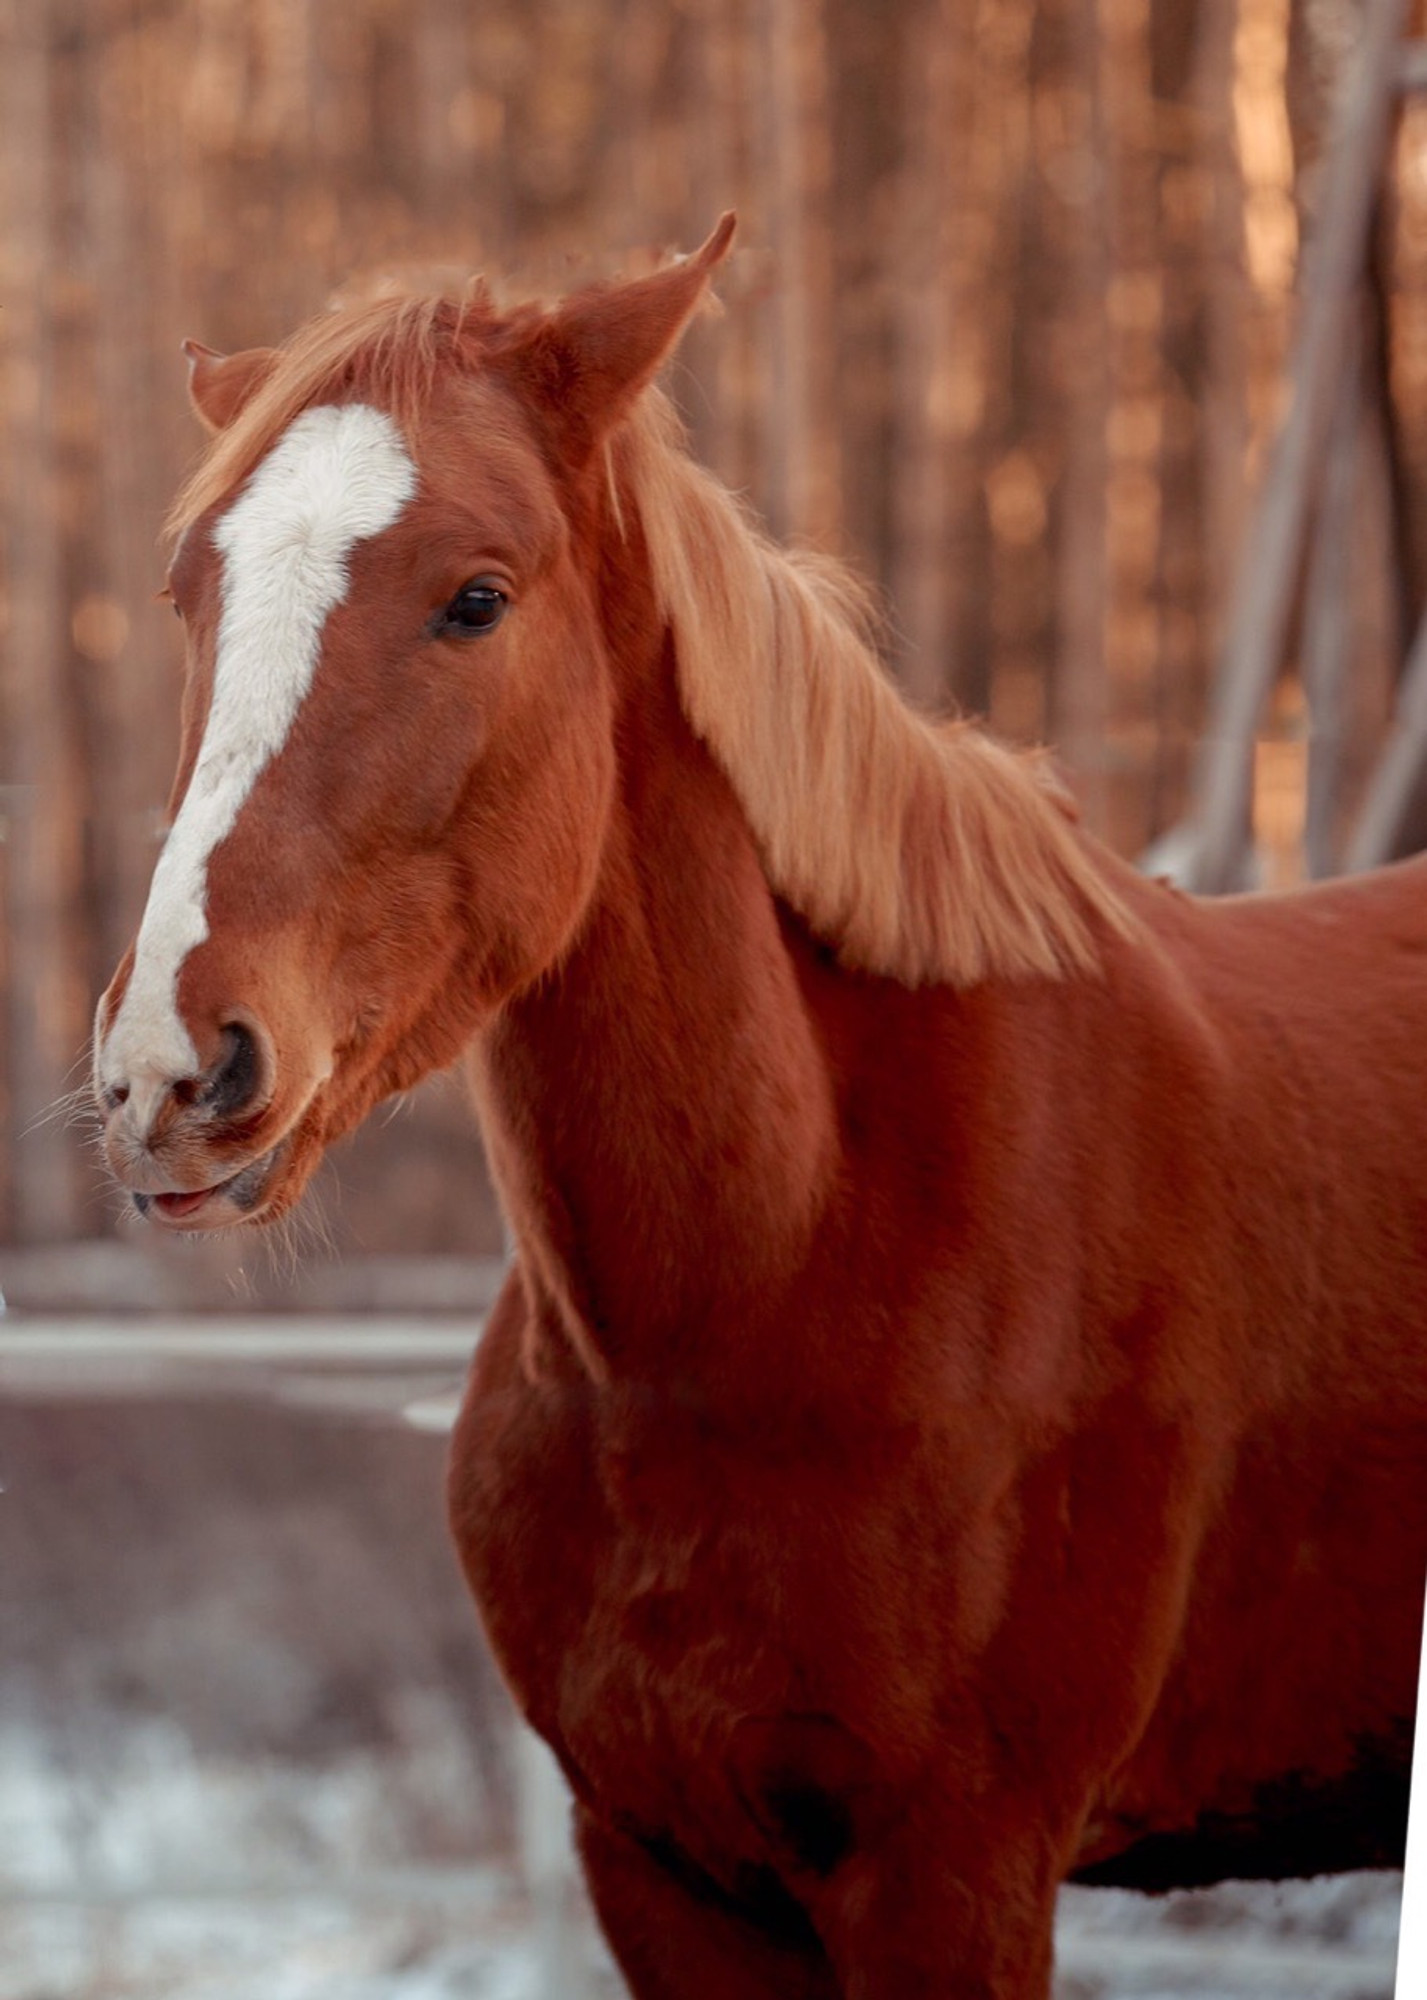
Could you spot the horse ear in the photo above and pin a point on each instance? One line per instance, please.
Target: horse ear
(220, 384)
(601, 347)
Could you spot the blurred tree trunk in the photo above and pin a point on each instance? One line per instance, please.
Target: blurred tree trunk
(1191, 162)
(929, 469)
(124, 639)
(45, 1014)
(800, 475)
(1081, 692)
(720, 349)
(986, 334)
(1135, 419)
(1223, 401)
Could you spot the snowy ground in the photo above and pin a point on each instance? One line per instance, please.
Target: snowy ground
(181, 1880)
(311, 1948)
(178, 1878)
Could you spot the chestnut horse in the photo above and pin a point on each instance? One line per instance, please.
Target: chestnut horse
(958, 1417)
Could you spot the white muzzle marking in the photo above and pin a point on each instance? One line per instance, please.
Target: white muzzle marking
(337, 476)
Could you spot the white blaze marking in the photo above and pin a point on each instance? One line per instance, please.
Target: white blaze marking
(337, 476)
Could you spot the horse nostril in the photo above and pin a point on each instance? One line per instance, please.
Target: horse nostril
(232, 1084)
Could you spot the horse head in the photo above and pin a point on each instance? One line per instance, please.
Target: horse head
(397, 755)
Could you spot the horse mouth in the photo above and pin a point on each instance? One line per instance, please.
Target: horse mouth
(237, 1199)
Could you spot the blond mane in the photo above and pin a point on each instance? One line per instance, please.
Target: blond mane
(926, 851)
(920, 850)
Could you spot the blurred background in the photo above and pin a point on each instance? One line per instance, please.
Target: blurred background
(1007, 326)
(1010, 326)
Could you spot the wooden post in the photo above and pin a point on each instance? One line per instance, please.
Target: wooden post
(1328, 617)
(1269, 573)
(1393, 818)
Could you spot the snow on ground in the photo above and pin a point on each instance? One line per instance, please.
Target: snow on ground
(179, 1878)
(1332, 1939)
(188, 1879)
(309, 1950)
(1264, 1945)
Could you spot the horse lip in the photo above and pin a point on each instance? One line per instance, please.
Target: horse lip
(240, 1194)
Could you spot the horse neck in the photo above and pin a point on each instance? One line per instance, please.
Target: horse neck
(658, 1111)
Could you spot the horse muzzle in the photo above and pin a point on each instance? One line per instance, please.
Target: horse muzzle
(200, 1152)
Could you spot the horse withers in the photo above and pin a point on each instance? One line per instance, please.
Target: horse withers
(958, 1417)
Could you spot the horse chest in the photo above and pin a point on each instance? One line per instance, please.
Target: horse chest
(634, 1599)
(650, 1607)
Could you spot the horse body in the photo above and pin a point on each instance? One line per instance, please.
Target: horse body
(958, 1415)
(1022, 1497)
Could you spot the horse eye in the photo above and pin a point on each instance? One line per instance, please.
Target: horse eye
(478, 607)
